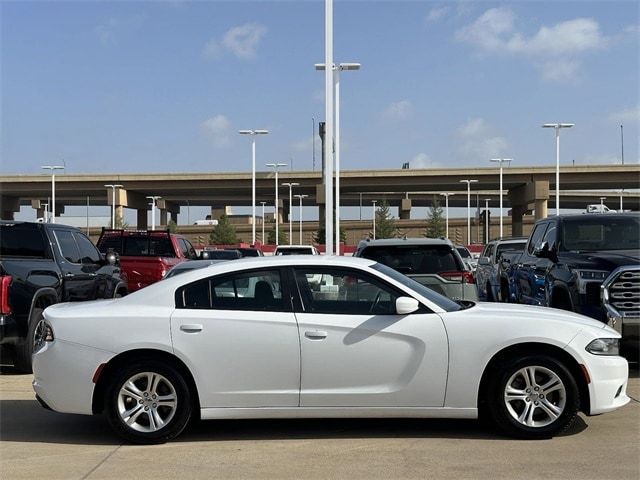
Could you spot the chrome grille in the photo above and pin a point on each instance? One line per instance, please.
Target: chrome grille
(624, 293)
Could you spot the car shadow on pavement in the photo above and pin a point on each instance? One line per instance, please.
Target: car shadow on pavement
(26, 421)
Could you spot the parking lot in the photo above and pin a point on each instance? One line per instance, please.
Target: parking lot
(36, 442)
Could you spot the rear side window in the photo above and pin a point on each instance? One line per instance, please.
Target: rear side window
(516, 247)
(415, 259)
(22, 240)
(88, 252)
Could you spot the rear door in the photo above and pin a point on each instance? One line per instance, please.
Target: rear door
(239, 337)
(356, 351)
(79, 279)
(527, 276)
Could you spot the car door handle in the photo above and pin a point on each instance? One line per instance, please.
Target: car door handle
(191, 327)
(315, 334)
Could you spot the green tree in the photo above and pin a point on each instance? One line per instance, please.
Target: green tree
(223, 233)
(172, 226)
(385, 224)
(282, 236)
(120, 223)
(319, 237)
(435, 220)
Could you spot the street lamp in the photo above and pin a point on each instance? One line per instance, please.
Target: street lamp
(446, 210)
(262, 237)
(113, 202)
(501, 161)
(468, 182)
(154, 199)
(602, 199)
(253, 134)
(52, 169)
(557, 127)
(275, 168)
(300, 197)
(336, 85)
(486, 219)
(290, 185)
(374, 218)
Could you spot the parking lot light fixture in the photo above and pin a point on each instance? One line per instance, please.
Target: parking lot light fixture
(486, 219)
(113, 202)
(500, 161)
(558, 127)
(468, 182)
(290, 185)
(262, 237)
(154, 199)
(275, 167)
(52, 169)
(253, 134)
(300, 197)
(446, 211)
(373, 202)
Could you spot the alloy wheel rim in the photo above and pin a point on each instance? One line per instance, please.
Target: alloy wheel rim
(38, 335)
(147, 402)
(535, 396)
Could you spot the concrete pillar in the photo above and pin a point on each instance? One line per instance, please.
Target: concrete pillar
(517, 212)
(163, 218)
(321, 204)
(217, 212)
(541, 209)
(174, 217)
(141, 223)
(281, 215)
(119, 214)
(405, 209)
(8, 206)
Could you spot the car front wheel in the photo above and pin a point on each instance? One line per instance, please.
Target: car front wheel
(148, 402)
(533, 397)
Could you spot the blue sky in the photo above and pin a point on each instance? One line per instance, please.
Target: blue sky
(164, 86)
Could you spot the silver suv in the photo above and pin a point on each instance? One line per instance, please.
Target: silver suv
(435, 263)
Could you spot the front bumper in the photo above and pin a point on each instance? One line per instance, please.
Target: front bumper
(608, 387)
(63, 375)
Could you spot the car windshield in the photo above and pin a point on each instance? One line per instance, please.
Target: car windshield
(440, 300)
(414, 259)
(588, 234)
(516, 247)
(295, 251)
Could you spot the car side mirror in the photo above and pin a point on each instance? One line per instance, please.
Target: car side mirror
(112, 258)
(483, 261)
(204, 255)
(406, 305)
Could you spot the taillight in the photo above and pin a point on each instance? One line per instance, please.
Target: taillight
(5, 308)
(458, 276)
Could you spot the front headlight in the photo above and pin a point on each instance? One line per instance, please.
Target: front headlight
(604, 346)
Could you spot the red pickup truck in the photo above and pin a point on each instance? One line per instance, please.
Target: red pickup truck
(145, 256)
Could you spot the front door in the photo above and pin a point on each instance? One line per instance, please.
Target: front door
(239, 337)
(356, 351)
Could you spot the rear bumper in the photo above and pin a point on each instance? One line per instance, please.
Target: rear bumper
(8, 330)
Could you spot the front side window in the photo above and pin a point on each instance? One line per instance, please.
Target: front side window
(249, 291)
(338, 291)
(536, 237)
(88, 253)
(550, 237)
(67, 246)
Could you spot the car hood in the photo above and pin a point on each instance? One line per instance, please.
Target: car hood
(531, 312)
(605, 259)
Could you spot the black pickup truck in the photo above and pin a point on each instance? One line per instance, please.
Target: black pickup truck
(587, 263)
(42, 264)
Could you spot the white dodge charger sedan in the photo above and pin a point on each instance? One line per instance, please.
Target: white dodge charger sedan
(304, 336)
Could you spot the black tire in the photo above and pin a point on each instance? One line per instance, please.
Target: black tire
(24, 349)
(560, 299)
(142, 410)
(490, 293)
(561, 399)
(504, 292)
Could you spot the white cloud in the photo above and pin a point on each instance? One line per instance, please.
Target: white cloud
(436, 14)
(422, 160)
(217, 129)
(552, 48)
(628, 115)
(479, 142)
(598, 159)
(106, 32)
(398, 111)
(241, 41)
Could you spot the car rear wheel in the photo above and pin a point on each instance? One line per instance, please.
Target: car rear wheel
(35, 336)
(148, 402)
(533, 397)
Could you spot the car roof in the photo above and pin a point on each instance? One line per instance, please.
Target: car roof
(406, 241)
(283, 247)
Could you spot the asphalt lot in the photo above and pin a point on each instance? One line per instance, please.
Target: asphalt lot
(36, 443)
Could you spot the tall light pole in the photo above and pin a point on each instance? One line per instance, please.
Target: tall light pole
(290, 185)
(373, 202)
(262, 237)
(446, 210)
(275, 168)
(557, 127)
(336, 85)
(602, 199)
(113, 202)
(52, 169)
(486, 219)
(154, 199)
(468, 182)
(253, 134)
(328, 118)
(500, 161)
(300, 197)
